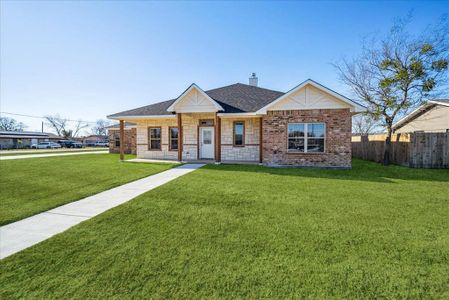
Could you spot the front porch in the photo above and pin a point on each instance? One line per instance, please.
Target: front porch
(198, 137)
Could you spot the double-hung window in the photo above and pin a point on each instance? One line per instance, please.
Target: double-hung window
(154, 138)
(173, 132)
(117, 139)
(306, 137)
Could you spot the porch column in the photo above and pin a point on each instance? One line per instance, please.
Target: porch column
(122, 140)
(261, 140)
(180, 139)
(217, 138)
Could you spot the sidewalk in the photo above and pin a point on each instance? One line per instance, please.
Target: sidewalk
(50, 154)
(25, 233)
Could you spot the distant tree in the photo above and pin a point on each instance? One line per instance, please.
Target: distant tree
(10, 124)
(364, 124)
(60, 125)
(397, 72)
(100, 127)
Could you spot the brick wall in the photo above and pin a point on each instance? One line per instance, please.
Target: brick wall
(337, 142)
(130, 140)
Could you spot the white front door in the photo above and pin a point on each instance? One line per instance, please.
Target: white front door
(207, 143)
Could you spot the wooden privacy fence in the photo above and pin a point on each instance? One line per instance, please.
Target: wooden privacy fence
(416, 150)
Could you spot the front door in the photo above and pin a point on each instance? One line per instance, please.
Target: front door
(207, 143)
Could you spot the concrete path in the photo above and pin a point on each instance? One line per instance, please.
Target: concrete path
(56, 150)
(25, 233)
(8, 157)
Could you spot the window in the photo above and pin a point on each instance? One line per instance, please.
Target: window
(154, 138)
(117, 139)
(239, 133)
(306, 137)
(173, 138)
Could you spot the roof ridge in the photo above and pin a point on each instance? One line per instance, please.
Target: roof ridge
(247, 85)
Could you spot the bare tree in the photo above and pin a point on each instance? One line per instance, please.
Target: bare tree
(100, 127)
(364, 124)
(79, 125)
(398, 72)
(10, 124)
(58, 124)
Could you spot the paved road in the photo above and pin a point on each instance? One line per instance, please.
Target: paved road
(25, 233)
(8, 157)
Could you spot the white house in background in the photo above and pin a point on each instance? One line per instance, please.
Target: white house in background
(430, 117)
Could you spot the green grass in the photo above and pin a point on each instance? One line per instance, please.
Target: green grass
(253, 232)
(29, 186)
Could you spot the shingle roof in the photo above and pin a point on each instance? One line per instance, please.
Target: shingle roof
(235, 98)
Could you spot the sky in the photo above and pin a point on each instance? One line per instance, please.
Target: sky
(88, 59)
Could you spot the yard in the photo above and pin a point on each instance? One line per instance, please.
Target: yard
(30, 186)
(252, 232)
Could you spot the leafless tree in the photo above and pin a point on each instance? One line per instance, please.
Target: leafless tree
(100, 127)
(60, 125)
(57, 123)
(364, 124)
(79, 125)
(10, 124)
(398, 72)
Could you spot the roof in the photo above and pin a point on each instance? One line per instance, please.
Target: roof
(419, 111)
(235, 98)
(23, 134)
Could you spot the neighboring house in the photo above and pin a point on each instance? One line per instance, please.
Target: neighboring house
(92, 139)
(129, 138)
(24, 139)
(430, 117)
(310, 125)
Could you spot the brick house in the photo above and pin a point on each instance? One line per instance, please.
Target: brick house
(310, 125)
(130, 133)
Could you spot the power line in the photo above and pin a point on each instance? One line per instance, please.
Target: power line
(38, 117)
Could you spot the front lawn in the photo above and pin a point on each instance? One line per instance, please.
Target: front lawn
(254, 232)
(29, 186)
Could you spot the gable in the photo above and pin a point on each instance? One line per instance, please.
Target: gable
(194, 99)
(434, 119)
(309, 97)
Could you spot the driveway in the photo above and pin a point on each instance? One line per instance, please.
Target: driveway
(9, 157)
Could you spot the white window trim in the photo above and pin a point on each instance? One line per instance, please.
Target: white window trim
(306, 137)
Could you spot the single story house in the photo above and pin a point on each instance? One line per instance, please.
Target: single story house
(430, 117)
(129, 138)
(310, 125)
(94, 138)
(24, 139)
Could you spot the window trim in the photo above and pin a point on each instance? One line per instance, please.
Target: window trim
(243, 134)
(170, 138)
(149, 138)
(306, 129)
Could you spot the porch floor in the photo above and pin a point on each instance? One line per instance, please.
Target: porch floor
(200, 161)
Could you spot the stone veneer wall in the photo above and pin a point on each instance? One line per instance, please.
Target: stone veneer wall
(130, 140)
(142, 139)
(250, 152)
(190, 122)
(337, 143)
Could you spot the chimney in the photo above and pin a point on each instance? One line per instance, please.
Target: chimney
(253, 80)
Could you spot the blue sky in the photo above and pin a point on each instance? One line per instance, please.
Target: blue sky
(85, 60)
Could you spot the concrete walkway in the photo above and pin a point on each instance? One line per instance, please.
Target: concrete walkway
(25, 233)
(8, 157)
